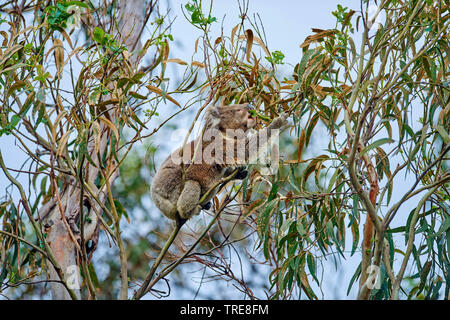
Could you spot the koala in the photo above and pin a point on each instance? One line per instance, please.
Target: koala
(204, 163)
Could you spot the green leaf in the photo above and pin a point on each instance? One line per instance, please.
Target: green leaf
(276, 58)
(333, 180)
(14, 67)
(376, 144)
(354, 209)
(445, 226)
(262, 225)
(262, 222)
(285, 226)
(43, 186)
(137, 95)
(189, 7)
(355, 276)
(273, 191)
(77, 3)
(300, 229)
(99, 35)
(305, 58)
(408, 223)
(9, 52)
(443, 133)
(406, 128)
(27, 104)
(93, 276)
(14, 120)
(312, 266)
(355, 232)
(196, 17)
(396, 230)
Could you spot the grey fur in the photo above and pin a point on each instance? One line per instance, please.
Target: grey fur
(166, 187)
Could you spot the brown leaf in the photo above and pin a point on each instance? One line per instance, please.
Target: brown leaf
(159, 92)
(322, 34)
(67, 37)
(166, 52)
(249, 35)
(59, 56)
(196, 45)
(72, 53)
(198, 64)
(254, 71)
(62, 143)
(301, 144)
(190, 85)
(111, 126)
(179, 61)
(233, 32)
(110, 101)
(5, 36)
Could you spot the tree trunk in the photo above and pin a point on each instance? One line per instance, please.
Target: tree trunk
(62, 230)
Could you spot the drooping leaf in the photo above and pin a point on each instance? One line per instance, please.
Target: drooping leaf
(375, 144)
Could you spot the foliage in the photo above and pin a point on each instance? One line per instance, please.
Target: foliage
(276, 57)
(197, 16)
(386, 102)
(383, 108)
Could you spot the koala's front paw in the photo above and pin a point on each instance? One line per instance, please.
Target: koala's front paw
(180, 221)
(241, 174)
(280, 121)
(206, 206)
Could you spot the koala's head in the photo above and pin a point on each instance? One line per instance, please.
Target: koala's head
(236, 116)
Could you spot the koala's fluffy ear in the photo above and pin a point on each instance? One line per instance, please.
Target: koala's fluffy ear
(213, 113)
(212, 117)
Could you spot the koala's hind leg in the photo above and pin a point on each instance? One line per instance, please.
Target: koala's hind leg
(167, 206)
(187, 204)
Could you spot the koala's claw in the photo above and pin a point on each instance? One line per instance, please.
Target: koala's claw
(207, 206)
(241, 174)
(280, 121)
(283, 115)
(180, 221)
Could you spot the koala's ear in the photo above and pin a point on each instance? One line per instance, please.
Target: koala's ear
(212, 116)
(213, 111)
